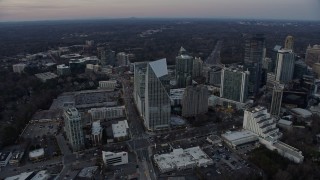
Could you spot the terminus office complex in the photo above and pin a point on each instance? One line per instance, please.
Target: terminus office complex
(151, 93)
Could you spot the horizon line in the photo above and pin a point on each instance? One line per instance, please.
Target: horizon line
(163, 18)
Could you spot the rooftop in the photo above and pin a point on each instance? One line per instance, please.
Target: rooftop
(302, 112)
(120, 129)
(256, 109)
(36, 153)
(176, 93)
(88, 172)
(159, 67)
(285, 122)
(46, 76)
(60, 66)
(182, 158)
(237, 135)
(96, 128)
(288, 149)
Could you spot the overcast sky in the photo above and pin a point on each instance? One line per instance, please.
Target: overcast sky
(13, 10)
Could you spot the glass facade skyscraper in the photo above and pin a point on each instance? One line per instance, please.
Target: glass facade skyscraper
(151, 93)
(253, 57)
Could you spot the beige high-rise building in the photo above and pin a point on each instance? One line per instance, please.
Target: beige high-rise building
(312, 55)
(195, 101)
(289, 42)
(316, 69)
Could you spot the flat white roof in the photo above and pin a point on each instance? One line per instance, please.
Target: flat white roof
(237, 135)
(36, 153)
(302, 112)
(285, 122)
(96, 128)
(120, 129)
(180, 158)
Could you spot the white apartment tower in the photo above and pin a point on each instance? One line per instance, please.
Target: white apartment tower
(73, 128)
(259, 121)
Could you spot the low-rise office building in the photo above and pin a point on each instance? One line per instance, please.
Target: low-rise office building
(236, 139)
(106, 113)
(112, 84)
(63, 70)
(214, 139)
(114, 159)
(16, 158)
(120, 130)
(180, 159)
(36, 154)
(19, 68)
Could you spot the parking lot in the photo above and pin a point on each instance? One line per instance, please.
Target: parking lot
(34, 130)
(225, 160)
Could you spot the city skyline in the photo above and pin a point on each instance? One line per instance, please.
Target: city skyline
(31, 10)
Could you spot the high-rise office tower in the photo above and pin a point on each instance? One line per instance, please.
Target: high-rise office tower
(124, 59)
(106, 56)
(312, 55)
(184, 68)
(73, 128)
(276, 99)
(197, 67)
(300, 69)
(195, 100)
(234, 84)
(284, 66)
(157, 100)
(254, 54)
(288, 43)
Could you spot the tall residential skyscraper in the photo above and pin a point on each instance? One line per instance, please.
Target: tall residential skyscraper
(184, 69)
(151, 93)
(195, 100)
(213, 75)
(124, 59)
(276, 99)
(254, 54)
(284, 66)
(288, 43)
(234, 84)
(197, 67)
(73, 128)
